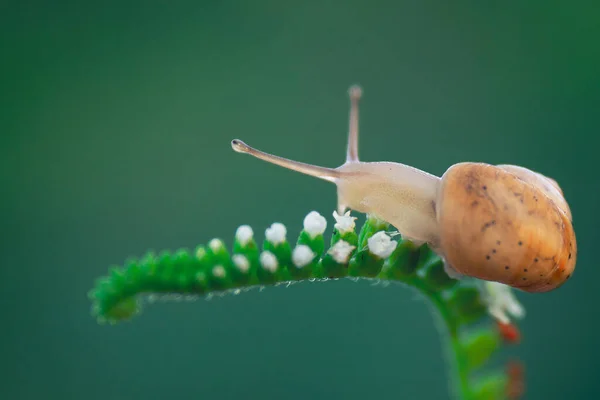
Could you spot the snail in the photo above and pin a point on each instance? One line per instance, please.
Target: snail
(497, 223)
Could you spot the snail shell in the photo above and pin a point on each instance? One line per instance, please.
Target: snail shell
(506, 224)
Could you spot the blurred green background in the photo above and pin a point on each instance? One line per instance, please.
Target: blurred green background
(116, 120)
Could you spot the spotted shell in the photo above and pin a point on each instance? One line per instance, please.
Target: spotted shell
(547, 185)
(506, 224)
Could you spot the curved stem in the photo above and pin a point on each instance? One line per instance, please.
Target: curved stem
(460, 371)
(371, 254)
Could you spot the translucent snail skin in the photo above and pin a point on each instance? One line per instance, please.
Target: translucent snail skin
(500, 223)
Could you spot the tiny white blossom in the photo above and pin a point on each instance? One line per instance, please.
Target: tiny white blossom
(244, 234)
(381, 245)
(314, 224)
(268, 261)
(344, 223)
(216, 245)
(501, 302)
(302, 256)
(340, 251)
(241, 262)
(276, 233)
(218, 271)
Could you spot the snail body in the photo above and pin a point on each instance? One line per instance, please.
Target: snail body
(500, 223)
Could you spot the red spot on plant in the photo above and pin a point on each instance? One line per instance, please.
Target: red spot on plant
(509, 332)
(515, 387)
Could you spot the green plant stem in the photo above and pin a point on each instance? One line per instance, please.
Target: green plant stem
(460, 371)
(213, 269)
